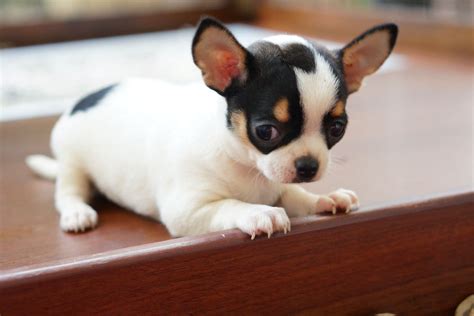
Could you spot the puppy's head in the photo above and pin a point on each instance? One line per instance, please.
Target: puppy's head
(287, 96)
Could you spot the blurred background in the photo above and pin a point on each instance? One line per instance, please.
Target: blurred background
(26, 22)
(92, 49)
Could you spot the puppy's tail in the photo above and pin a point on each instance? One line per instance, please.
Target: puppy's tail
(43, 166)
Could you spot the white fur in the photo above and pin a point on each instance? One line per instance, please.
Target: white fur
(285, 39)
(164, 151)
(43, 166)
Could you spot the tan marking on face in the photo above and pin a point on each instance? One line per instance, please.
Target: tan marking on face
(338, 109)
(239, 124)
(280, 111)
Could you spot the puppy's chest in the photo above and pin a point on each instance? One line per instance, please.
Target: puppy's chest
(252, 187)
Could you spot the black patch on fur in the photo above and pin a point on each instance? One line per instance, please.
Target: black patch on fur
(327, 121)
(300, 56)
(91, 100)
(332, 58)
(271, 78)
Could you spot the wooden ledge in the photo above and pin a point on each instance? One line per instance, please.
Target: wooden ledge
(372, 261)
(224, 239)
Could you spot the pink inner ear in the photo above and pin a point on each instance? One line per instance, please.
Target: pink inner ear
(220, 57)
(364, 58)
(352, 74)
(227, 68)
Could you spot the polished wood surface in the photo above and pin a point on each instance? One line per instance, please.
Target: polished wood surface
(407, 152)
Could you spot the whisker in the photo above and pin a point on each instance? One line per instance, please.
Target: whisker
(338, 160)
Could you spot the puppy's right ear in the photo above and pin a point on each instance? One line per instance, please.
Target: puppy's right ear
(221, 58)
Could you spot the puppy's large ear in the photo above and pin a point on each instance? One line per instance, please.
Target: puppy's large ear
(366, 53)
(222, 60)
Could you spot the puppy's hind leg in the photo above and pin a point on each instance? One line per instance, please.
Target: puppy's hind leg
(73, 191)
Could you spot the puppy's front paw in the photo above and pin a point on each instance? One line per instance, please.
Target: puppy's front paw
(264, 220)
(78, 218)
(340, 199)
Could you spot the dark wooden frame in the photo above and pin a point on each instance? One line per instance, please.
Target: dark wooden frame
(58, 31)
(416, 259)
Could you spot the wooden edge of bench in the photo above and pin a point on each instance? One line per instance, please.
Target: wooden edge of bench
(223, 239)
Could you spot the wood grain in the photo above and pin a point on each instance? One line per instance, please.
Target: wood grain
(403, 264)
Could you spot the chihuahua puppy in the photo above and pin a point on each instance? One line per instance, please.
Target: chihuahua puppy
(202, 160)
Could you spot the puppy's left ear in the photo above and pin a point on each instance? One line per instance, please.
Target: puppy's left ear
(366, 53)
(221, 58)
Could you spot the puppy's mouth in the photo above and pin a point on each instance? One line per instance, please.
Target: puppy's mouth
(291, 180)
(296, 180)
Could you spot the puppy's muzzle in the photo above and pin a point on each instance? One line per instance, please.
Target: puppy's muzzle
(306, 168)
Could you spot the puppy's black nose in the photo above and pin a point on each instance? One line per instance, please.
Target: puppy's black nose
(306, 168)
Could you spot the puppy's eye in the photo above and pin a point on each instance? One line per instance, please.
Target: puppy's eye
(336, 129)
(267, 132)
